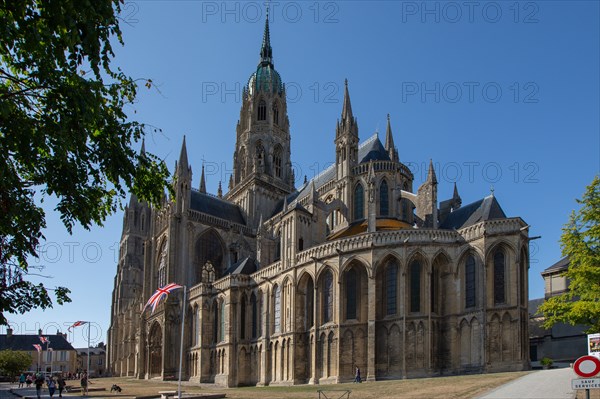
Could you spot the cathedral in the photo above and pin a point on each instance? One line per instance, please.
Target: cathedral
(287, 285)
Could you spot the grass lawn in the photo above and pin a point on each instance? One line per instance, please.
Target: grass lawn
(466, 386)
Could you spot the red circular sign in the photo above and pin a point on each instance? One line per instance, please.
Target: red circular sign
(587, 366)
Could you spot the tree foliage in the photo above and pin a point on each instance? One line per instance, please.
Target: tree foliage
(64, 132)
(580, 241)
(13, 363)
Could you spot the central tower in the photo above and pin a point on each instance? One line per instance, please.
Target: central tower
(262, 168)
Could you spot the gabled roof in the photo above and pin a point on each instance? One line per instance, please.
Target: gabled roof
(23, 342)
(559, 266)
(487, 208)
(216, 207)
(372, 150)
(245, 266)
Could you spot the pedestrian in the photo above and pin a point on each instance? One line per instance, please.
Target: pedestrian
(29, 380)
(84, 384)
(51, 386)
(22, 380)
(357, 375)
(39, 381)
(61, 385)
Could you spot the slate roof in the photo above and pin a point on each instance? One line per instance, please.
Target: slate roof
(487, 208)
(216, 207)
(245, 266)
(372, 150)
(19, 342)
(559, 266)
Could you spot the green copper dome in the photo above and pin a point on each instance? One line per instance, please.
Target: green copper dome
(266, 79)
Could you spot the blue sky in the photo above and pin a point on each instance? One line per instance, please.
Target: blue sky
(500, 95)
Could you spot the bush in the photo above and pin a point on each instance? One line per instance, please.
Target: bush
(546, 361)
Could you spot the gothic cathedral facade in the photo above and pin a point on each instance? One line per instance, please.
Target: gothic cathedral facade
(301, 285)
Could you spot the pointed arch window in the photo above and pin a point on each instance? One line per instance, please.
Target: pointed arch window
(351, 281)
(415, 286)
(359, 202)
(215, 322)
(275, 114)
(162, 266)
(260, 312)
(499, 277)
(222, 322)
(277, 312)
(384, 203)
(243, 318)
(254, 307)
(470, 300)
(278, 245)
(209, 248)
(391, 288)
(310, 292)
(262, 110)
(242, 162)
(327, 297)
(277, 161)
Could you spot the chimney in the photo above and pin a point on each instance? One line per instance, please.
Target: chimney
(9, 332)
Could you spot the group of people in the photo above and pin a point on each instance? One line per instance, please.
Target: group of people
(53, 383)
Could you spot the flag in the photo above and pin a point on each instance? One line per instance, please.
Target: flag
(38, 347)
(76, 324)
(44, 340)
(160, 293)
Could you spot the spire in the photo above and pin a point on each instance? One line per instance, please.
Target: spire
(143, 149)
(389, 141)
(220, 190)
(266, 52)
(203, 181)
(182, 165)
(455, 194)
(347, 108)
(431, 173)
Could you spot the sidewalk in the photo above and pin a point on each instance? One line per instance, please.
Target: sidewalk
(543, 384)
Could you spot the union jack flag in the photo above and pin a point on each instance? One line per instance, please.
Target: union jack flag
(38, 347)
(44, 340)
(160, 293)
(77, 324)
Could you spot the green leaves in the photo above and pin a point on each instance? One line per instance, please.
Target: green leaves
(64, 133)
(13, 363)
(581, 242)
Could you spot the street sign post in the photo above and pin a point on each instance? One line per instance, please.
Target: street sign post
(586, 367)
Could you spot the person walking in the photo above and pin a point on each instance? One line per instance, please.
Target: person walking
(357, 375)
(29, 380)
(39, 381)
(51, 386)
(61, 385)
(22, 379)
(84, 384)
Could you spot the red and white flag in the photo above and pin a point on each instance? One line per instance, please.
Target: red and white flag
(160, 293)
(76, 324)
(44, 340)
(38, 347)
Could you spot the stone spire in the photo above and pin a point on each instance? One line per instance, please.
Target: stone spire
(389, 142)
(203, 181)
(266, 52)
(431, 178)
(182, 164)
(347, 107)
(220, 190)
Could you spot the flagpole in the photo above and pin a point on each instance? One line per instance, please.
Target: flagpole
(183, 305)
(88, 349)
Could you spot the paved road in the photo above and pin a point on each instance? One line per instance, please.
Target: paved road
(543, 384)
